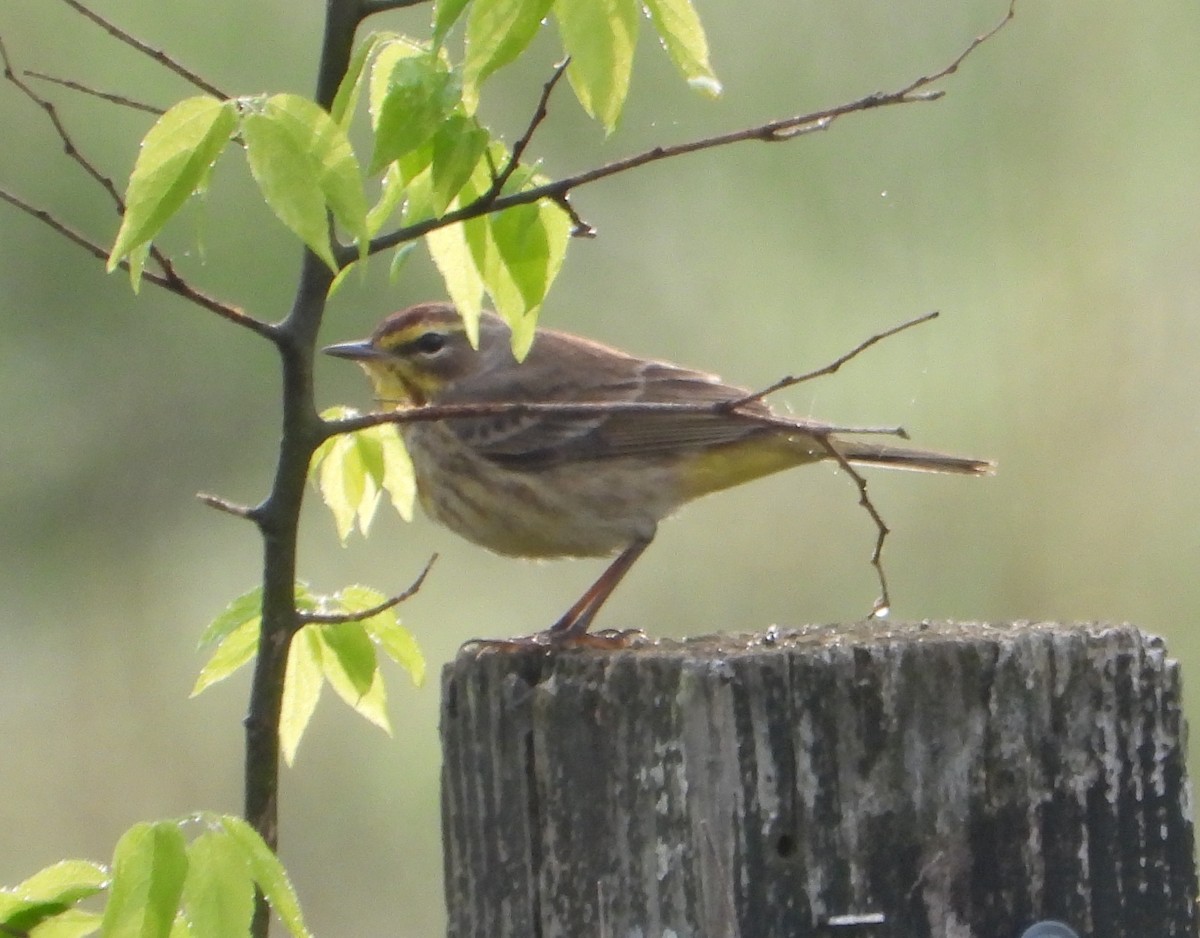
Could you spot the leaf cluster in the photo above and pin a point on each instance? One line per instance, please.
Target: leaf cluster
(159, 885)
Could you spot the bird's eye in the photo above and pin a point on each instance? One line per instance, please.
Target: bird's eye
(429, 343)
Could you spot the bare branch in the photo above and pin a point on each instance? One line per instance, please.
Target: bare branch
(771, 132)
(69, 147)
(169, 281)
(429, 413)
(230, 508)
(883, 604)
(539, 114)
(793, 380)
(579, 227)
(112, 98)
(336, 618)
(156, 54)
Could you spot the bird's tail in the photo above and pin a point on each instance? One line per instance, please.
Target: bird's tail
(920, 460)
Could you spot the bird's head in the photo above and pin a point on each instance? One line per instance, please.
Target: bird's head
(416, 353)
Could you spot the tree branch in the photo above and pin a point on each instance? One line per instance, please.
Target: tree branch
(170, 282)
(770, 132)
(108, 96)
(792, 380)
(156, 54)
(337, 618)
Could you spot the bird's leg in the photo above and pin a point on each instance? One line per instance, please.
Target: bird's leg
(575, 621)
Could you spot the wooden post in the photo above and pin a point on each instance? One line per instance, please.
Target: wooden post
(946, 780)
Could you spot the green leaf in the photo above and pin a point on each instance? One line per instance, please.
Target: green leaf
(390, 196)
(42, 904)
(73, 923)
(67, 881)
(149, 867)
(453, 258)
(399, 480)
(420, 94)
(600, 36)
(346, 99)
(218, 894)
(240, 611)
(174, 160)
(682, 34)
(384, 629)
(399, 260)
(269, 873)
(457, 148)
(497, 32)
(235, 650)
(389, 54)
(399, 645)
(353, 671)
(342, 481)
(304, 165)
(445, 15)
(301, 689)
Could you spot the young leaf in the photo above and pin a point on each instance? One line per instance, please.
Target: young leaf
(174, 160)
(600, 36)
(497, 32)
(399, 480)
(149, 867)
(303, 164)
(67, 881)
(445, 15)
(43, 904)
(246, 607)
(346, 99)
(452, 256)
(399, 260)
(683, 36)
(390, 197)
(385, 629)
(235, 650)
(342, 481)
(269, 873)
(73, 923)
(301, 689)
(350, 667)
(218, 894)
(457, 148)
(420, 94)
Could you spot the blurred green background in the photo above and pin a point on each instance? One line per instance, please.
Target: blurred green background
(1049, 206)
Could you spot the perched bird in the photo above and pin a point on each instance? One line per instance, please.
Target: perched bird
(580, 483)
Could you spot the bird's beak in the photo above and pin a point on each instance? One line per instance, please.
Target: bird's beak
(362, 351)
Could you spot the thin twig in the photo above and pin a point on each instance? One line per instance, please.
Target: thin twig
(793, 380)
(336, 618)
(170, 282)
(69, 147)
(770, 132)
(72, 151)
(429, 413)
(579, 227)
(230, 508)
(109, 96)
(540, 113)
(156, 54)
(883, 604)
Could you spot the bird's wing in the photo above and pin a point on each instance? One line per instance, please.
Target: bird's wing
(534, 439)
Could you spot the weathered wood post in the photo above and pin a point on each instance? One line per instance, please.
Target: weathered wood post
(944, 779)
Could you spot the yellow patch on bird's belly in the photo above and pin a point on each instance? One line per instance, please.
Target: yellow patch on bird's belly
(720, 467)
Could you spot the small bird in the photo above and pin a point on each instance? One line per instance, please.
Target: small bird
(530, 483)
